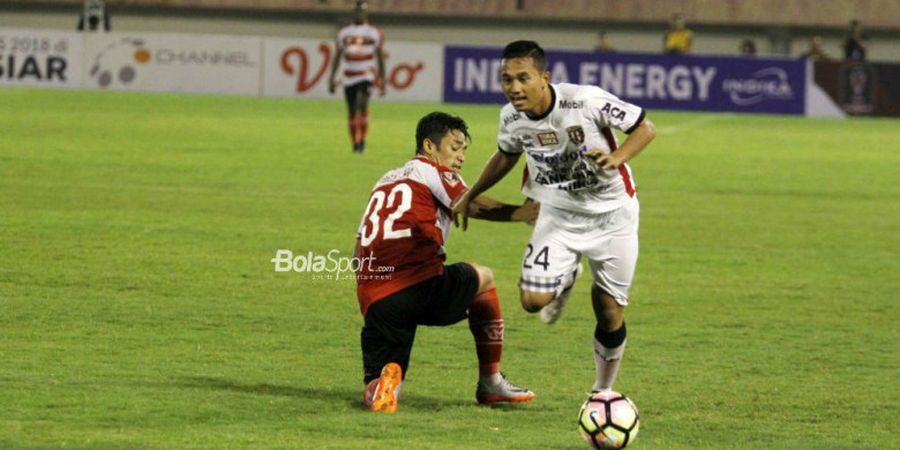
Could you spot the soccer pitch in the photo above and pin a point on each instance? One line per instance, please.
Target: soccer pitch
(139, 307)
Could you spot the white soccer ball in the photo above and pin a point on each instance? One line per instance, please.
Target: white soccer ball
(608, 420)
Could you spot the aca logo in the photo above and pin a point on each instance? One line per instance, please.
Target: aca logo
(296, 62)
(118, 63)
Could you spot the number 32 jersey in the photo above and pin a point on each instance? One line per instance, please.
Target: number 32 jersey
(404, 228)
(558, 174)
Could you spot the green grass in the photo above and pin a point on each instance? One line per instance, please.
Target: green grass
(139, 307)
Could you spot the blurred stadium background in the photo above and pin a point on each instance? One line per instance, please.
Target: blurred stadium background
(778, 27)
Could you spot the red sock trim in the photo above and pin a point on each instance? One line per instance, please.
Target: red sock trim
(354, 127)
(363, 124)
(486, 325)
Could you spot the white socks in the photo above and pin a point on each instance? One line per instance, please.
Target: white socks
(607, 361)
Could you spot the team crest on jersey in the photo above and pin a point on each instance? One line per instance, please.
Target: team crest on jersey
(576, 134)
(526, 140)
(548, 138)
(450, 178)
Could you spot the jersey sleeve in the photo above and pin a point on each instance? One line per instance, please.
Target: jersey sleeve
(453, 185)
(506, 141)
(607, 110)
(445, 185)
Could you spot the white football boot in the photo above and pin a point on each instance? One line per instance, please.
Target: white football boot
(504, 391)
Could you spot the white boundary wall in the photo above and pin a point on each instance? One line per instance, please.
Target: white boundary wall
(205, 64)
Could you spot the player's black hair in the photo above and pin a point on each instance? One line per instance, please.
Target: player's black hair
(435, 125)
(526, 49)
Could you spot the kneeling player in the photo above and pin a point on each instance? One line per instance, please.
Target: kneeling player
(404, 283)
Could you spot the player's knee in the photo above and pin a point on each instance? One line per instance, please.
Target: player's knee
(609, 313)
(534, 301)
(611, 319)
(485, 277)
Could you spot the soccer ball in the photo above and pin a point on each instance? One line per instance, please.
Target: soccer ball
(608, 420)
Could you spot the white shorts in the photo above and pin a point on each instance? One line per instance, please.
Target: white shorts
(608, 240)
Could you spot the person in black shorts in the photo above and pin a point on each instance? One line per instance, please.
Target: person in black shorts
(402, 281)
(359, 47)
(94, 17)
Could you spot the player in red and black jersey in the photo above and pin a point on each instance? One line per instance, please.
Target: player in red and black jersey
(403, 281)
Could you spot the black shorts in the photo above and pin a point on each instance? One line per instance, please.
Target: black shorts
(358, 93)
(391, 322)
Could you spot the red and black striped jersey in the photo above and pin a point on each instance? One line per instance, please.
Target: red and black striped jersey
(404, 228)
(358, 44)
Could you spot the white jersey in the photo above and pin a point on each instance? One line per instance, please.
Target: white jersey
(359, 43)
(558, 174)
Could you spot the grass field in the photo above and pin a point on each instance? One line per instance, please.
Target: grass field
(139, 308)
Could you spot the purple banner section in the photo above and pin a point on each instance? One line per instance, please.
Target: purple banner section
(695, 83)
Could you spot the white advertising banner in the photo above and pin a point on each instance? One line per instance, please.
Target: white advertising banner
(40, 58)
(300, 68)
(206, 64)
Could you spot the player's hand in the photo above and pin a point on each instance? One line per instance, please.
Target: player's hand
(527, 213)
(604, 160)
(461, 208)
(381, 90)
(332, 85)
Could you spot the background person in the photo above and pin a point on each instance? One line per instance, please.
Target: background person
(94, 17)
(748, 48)
(603, 44)
(678, 39)
(360, 46)
(815, 52)
(854, 49)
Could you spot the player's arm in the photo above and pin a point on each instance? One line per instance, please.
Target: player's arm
(379, 56)
(332, 83)
(497, 167)
(634, 143)
(487, 208)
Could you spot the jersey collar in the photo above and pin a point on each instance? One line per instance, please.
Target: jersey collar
(432, 163)
(549, 110)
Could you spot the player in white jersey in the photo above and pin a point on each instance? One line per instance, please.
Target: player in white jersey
(578, 172)
(359, 45)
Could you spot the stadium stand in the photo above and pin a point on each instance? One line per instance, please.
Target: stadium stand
(637, 24)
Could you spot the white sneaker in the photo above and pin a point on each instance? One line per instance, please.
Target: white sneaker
(551, 311)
